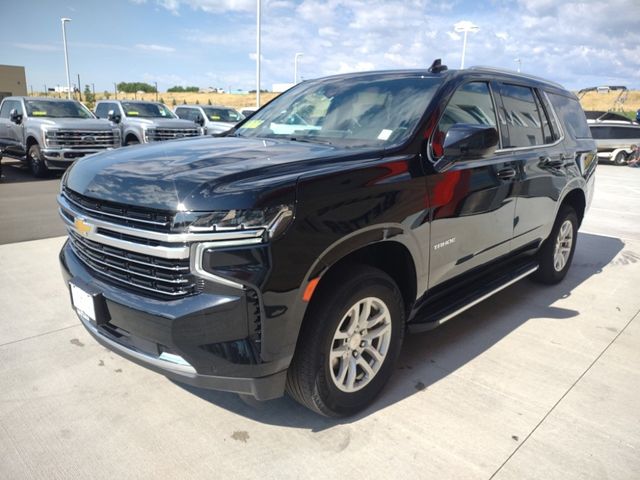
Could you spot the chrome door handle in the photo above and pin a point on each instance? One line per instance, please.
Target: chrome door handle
(548, 162)
(506, 173)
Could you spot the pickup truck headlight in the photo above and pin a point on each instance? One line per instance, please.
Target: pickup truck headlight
(116, 137)
(149, 134)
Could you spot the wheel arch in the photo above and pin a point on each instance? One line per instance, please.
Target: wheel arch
(576, 199)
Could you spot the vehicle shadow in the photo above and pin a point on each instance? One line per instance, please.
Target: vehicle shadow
(428, 357)
(14, 171)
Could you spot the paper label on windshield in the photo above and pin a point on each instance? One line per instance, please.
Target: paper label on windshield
(39, 114)
(133, 113)
(385, 134)
(252, 124)
(215, 117)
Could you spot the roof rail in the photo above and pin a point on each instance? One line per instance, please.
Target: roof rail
(518, 74)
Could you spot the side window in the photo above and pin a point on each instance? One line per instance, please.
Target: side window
(6, 108)
(549, 129)
(102, 110)
(524, 119)
(626, 133)
(470, 104)
(571, 115)
(181, 112)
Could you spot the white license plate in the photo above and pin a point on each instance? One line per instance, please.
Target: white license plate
(83, 302)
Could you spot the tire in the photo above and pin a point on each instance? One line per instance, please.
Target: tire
(554, 263)
(320, 376)
(36, 162)
(620, 158)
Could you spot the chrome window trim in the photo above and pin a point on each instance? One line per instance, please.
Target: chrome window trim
(159, 236)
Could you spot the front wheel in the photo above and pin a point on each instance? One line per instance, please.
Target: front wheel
(557, 251)
(36, 162)
(349, 343)
(620, 158)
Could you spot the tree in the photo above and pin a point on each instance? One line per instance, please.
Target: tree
(197, 102)
(208, 101)
(107, 95)
(173, 102)
(180, 89)
(161, 100)
(89, 97)
(184, 102)
(133, 87)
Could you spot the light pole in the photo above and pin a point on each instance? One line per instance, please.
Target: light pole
(258, 54)
(465, 27)
(66, 54)
(295, 67)
(519, 62)
(156, 84)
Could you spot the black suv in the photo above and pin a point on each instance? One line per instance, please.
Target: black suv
(294, 252)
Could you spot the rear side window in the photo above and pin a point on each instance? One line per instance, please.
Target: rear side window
(524, 117)
(571, 115)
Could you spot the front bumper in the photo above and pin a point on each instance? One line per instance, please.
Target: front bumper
(201, 340)
(62, 158)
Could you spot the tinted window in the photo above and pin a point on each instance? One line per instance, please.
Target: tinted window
(146, 110)
(57, 109)
(626, 132)
(472, 104)
(522, 114)
(7, 106)
(600, 132)
(102, 110)
(571, 115)
(222, 114)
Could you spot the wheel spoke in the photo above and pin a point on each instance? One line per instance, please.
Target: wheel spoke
(338, 352)
(351, 374)
(366, 312)
(377, 356)
(344, 368)
(377, 332)
(366, 367)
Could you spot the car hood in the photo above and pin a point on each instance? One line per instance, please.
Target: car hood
(73, 123)
(161, 122)
(201, 174)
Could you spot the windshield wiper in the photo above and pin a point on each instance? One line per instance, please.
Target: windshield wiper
(309, 140)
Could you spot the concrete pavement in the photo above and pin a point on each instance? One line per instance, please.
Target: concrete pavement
(536, 382)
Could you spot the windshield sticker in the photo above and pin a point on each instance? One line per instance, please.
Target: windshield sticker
(252, 124)
(133, 113)
(385, 134)
(39, 114)
(214, 117)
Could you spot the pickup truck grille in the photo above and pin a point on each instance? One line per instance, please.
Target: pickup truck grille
(151, 275)
(159, 134)
(82, 139)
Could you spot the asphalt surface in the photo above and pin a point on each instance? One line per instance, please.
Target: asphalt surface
(534, 383)
(28, 208)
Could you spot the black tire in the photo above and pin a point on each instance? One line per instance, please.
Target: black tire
(309, 379)
(36, 162)
(620, 158)
(132, 141)
(548, 272)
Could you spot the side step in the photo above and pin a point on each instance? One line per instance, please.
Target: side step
(445, 307)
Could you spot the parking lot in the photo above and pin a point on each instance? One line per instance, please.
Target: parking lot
(536, 382)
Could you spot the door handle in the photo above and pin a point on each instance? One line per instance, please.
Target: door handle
(506, 173)
(548, 162)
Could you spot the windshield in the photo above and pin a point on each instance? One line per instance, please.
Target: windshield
(222, 114)
(359, 111)
(146, 110)
(47, 108)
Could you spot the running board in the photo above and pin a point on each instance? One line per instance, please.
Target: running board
(438, 314)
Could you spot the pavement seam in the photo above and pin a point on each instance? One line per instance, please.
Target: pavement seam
(564, 395)
(38, 335)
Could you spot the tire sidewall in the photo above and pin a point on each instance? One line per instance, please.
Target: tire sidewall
(337, 401)
(547, 261)
(36, 162)
(620, 158)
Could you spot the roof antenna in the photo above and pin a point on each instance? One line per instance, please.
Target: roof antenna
(437, 67)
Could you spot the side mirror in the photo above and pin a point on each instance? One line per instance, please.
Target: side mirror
(15, 116)
(466, 141)
(113, 117)
(199, 120)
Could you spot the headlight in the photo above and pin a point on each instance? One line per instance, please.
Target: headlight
(273, 219)
(47, 134)
(149, 134)
(116, 137)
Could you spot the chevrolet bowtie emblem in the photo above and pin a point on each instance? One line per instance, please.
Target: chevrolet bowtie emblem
(82, 227)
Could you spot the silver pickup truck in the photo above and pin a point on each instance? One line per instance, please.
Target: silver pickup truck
(144, 122)
(49, 134)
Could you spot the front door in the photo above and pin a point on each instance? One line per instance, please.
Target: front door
(473, 203)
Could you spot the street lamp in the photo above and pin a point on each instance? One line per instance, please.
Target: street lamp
(258, 54)
(519, 62)
(295, 67)
(465, 27)
(66, 54)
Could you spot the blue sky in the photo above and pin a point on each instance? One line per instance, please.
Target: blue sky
(212, 42)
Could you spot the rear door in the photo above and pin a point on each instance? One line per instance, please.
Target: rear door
(473, 202)
(532, 141)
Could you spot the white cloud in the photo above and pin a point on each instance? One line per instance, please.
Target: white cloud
(152, 47)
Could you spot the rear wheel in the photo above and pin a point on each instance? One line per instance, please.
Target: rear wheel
(557, 251)
(349, 343)
(36, 162)
(620, 158)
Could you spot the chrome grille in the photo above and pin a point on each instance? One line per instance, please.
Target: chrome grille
(159, 134)
(82, 139)
(159, 276)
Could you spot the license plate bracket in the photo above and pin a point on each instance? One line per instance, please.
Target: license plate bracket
(88, 301)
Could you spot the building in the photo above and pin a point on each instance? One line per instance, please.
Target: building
(13, 81)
